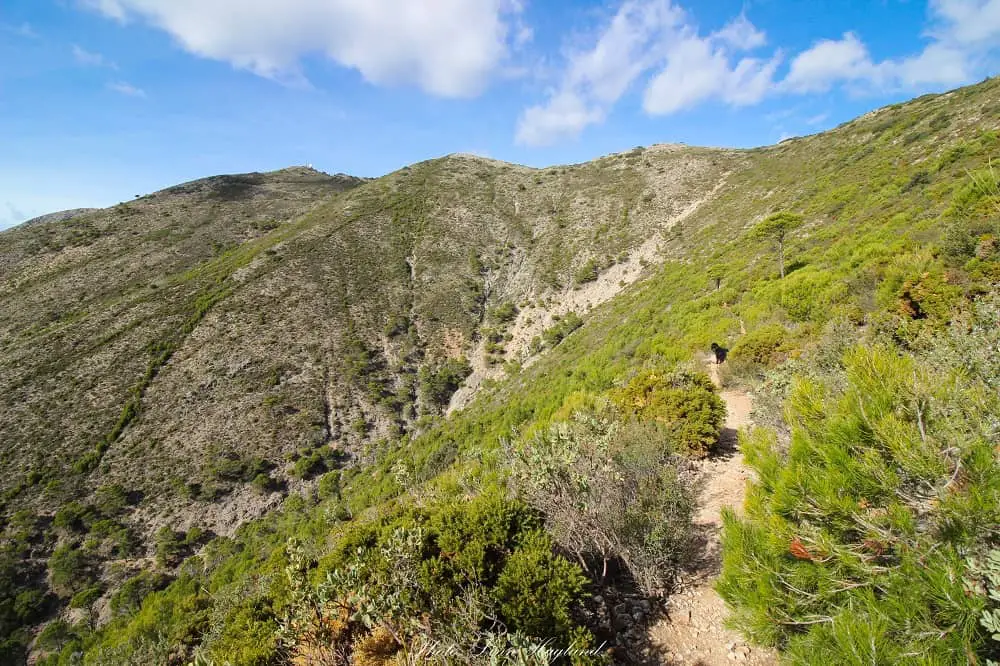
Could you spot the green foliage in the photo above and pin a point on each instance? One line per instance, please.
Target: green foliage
(329, 485)
(265, 483)
(985, 581)
(609, 491)
(588, 272)
(566, 325)
(70, 570)
(850, 550)
(686, 405)
(111, 500)
(456, 574)
(438, 384)
(87, 596)
(761, 346)
(231, 466)
(317, 461)
(169, 546)
(776, 227)
(75, 517)
(504, 313)
(129, 596)
(55, 634)
(537, 588)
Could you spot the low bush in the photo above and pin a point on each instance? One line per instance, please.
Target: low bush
(685, 404)
(318, 461)
(609, 495)
(588, 272)
(762, 346)
(129, 596)
(566, 325)
(467, 578)
(438, 384)
(70, 570)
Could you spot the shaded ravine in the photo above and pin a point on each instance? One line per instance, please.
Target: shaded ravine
(693, 631)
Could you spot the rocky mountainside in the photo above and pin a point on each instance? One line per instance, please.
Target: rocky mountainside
(201, 354)
(259, 315)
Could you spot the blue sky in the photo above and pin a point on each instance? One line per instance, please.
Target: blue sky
(104, 99)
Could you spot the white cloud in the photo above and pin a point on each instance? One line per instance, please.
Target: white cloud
(642, 36)
(127, 89)
(595, 78)
(742, 35)
(446, 47)
(939, 63)
(830, 61)
(564, 116)
(700, 68)
(88, 59)
(970, 22)
(963, 34)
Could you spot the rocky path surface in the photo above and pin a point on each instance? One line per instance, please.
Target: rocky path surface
(693, 631)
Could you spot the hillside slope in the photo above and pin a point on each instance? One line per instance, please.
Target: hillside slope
(212, 348)
(222, 317)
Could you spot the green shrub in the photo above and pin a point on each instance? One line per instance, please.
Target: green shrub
(87, 596)
(588, 272)
(609, 492)
(851, 547)
(762, 346)
(169, 546)
(504, 313)
(70, 570)
(264, 483)
(686, 405)
(75, 516)
(984, 580)
(537, 589)
(565, 325)
(55, 634)
(230, 466)
(329, 485)
(438, 384)
(460, 574)
(129, 596)
(111, 500)
(317, 461)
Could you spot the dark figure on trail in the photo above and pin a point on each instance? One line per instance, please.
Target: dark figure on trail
(720, 353)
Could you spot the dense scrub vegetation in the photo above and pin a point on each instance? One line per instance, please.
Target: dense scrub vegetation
(868, 536)
(859, 533)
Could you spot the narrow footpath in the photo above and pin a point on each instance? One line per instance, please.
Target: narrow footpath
(693, 632)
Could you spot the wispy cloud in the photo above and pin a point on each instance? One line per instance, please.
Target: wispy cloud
(126, 89)
(23, 30)
(657, 38)
(658, 41)
(89, 59)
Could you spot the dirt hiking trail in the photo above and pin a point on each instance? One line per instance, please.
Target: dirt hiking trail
(693, 631)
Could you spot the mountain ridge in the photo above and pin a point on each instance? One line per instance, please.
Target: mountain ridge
(218, 348)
